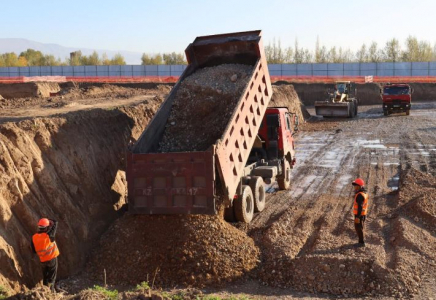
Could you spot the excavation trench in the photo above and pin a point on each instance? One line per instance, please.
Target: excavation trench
(69, 168)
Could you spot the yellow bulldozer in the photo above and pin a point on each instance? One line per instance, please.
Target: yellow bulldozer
(342, 102)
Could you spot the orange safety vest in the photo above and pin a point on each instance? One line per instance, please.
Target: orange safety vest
(364, 204)
(46, 249)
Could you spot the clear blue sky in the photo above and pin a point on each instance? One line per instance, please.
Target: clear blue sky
(162, 26)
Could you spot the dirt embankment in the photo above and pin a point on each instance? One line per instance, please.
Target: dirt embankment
(45, 95)
(368, 94)
(66, 168)
(29, 89)
(286, 96)
(310, 92)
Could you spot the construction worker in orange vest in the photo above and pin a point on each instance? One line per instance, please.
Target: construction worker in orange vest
(360, 208)
(43, 244)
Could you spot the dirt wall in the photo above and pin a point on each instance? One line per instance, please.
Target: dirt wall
(68, 168)
(29, 89)
(368, 94)
(286, 96)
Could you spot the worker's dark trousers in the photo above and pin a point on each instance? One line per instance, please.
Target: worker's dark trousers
(359, 229)
(49, 272)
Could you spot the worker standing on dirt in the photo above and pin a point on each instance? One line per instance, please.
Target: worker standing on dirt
(360, 208)
(43, 243)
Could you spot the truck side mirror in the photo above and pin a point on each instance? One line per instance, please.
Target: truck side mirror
(296, 122)
(381, 91)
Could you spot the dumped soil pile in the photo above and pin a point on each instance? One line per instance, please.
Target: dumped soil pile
(43, 164)
(286, 96)
(417, 193)
(28, 89)
(187, 250)
(203, 106)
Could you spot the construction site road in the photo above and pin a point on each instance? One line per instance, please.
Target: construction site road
(306, 234)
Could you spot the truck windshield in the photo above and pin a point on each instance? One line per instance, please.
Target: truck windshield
(396, 90)
(341, 88)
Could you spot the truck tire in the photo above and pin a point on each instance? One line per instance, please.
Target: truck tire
(385, 112)
(408, 112)
(258, 189)
(284, 183)
(244, 205)
(351, 110)
(356, 105)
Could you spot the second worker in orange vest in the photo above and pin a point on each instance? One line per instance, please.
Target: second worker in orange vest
(43, 243)
(360, 208)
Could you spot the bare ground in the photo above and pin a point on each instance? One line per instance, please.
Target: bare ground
(305, 235)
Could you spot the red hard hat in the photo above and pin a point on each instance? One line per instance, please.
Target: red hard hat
(44, 222)
(359, 181)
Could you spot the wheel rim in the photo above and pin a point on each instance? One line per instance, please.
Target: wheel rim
(249, 206)
(261, 192)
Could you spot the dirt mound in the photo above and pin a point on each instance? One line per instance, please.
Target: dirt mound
(187, 250)
(28, 89)
(286, 96)
(203, 106)
(43, 164)
(417, 194)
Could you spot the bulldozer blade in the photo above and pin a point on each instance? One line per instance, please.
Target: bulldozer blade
(332, 109)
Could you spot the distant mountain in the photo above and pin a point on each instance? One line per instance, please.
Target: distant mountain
(19, 45)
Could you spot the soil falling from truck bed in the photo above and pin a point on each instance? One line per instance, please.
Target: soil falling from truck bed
(203, 106)
(195, 250)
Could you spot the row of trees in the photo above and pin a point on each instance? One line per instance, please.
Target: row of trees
(164, 59)
(30, 58)
(414, 50)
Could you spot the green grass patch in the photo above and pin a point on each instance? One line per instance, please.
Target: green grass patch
(3, 292)
(109, 294)
(142, 287)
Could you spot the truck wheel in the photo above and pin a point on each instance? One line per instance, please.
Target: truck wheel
(385, 112)
(356, 105)
(258, 188)
(284, 182)
(407, 112)
(351, 110)
(244, 205)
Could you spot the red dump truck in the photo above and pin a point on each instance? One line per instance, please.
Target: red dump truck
(396, 98)
(255, 151)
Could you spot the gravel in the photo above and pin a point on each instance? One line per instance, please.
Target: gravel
(203, 106)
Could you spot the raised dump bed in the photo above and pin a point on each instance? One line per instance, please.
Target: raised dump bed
(202, 130)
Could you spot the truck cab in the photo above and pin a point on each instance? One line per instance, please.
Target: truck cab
(396, 98)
